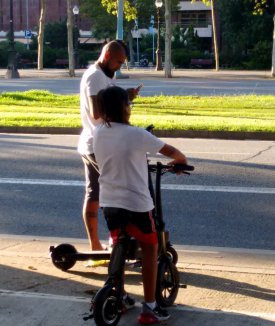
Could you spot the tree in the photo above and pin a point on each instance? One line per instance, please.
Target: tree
(214, 28)
(104, 13)
(55, 34)
(168, 37)
(212, 3)
(41, 35)
(99, 17)
(70, 38)
(260, 6)
(246, 34)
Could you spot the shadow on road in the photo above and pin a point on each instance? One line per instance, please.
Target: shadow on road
(51, 309)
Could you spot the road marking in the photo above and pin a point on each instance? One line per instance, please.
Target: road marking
(47, 296)
(250, 190)
(43, 182)
(76, 183)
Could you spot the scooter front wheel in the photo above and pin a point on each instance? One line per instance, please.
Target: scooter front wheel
(106, 307)
(167, 283)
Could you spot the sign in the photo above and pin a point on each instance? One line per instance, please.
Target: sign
(28, 33)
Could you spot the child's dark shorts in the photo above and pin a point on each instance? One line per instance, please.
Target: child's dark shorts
(139, 225)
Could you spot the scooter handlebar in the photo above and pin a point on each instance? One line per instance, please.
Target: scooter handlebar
(176, 168)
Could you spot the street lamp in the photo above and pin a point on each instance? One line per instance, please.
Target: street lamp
(158, 4)
(12, 60)
(76, 13)
(152, 22)
(136, 30)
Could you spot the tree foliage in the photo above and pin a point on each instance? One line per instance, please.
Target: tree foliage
(103, 23)
(130, 11)
(244, 33)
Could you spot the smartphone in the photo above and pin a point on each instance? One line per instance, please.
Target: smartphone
(139, 87)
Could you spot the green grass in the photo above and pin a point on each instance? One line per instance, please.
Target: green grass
(232, 113)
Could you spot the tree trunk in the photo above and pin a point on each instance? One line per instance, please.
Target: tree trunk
(40, 38)
(273, 50)
(214, 29)
(70, 38)
(168, 37)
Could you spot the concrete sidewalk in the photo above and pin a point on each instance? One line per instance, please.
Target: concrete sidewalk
(150, 73)
(225, 286)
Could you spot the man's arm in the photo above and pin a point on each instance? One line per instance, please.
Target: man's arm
(93, 106)
(174, 153)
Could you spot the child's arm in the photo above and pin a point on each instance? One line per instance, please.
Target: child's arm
(174, 153)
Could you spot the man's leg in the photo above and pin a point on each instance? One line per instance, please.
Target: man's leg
(90, 217)
(91, 204)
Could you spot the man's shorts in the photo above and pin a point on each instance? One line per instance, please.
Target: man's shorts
(91, 177)
(139, 225)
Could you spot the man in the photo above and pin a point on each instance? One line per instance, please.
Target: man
(97, 77)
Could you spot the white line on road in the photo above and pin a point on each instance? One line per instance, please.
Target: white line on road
(251, 190)
(47, 296)
(76, 183)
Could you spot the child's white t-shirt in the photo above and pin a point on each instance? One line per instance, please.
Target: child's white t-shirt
(120, 151)
(93, 81)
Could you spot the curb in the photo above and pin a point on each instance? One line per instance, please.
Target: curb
(233, 135)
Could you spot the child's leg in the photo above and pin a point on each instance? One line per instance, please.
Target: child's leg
(149, 270)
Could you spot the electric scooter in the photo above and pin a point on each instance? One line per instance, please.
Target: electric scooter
(107, 306)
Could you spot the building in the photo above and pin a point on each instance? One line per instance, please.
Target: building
(195, 14)
(26, 15)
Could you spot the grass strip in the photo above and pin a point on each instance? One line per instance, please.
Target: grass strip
(246, 113)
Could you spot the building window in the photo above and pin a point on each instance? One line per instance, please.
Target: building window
(195, 19)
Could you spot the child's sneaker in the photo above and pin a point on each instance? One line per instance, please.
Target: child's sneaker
(128, 302)
(151, 316)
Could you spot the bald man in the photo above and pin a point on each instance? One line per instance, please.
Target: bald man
(97, 77)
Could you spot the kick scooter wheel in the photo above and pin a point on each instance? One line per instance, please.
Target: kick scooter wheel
(62, 256)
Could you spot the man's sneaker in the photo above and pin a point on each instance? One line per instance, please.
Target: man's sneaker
(128, 303)
(151, 316)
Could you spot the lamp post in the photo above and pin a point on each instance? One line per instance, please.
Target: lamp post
(119, 33)
(136, 30)
(152, 22)
(76, 13)
(158, 4)
(12, 60)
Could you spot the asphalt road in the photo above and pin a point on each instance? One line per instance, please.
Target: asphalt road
(227, 202)
(176, 86)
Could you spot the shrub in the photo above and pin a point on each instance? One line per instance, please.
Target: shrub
(49, 57)
(260, 57)
(181, 57)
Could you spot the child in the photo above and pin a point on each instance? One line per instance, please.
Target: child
(120, 150)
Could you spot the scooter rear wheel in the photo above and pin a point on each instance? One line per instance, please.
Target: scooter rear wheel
(62, 256)
(167, 283)
(106, 308)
